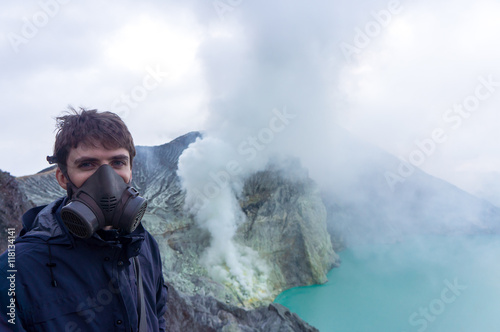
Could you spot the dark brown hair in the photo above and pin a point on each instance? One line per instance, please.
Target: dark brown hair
(91, 128)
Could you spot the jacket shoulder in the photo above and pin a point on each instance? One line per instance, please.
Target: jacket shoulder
(41, 224)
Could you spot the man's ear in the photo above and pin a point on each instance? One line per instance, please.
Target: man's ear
(61, 179)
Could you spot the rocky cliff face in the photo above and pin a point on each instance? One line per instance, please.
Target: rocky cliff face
(13, 203)
(285, 221)
(364, 206)
(41, 188)
(206, 314)
(285, 226)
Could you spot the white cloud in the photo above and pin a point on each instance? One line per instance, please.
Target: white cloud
(227, 75)
(429, 59)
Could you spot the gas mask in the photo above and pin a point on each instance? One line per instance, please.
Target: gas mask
(104, 199)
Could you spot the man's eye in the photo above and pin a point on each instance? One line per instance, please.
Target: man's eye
(118, 163)
(85, 165)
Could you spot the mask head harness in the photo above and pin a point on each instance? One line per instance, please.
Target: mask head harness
(104, 199)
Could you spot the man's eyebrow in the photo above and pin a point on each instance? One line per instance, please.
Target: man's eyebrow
(120, 157)
(91, 159)
(87, 159)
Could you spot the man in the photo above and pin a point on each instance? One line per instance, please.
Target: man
(84, 262)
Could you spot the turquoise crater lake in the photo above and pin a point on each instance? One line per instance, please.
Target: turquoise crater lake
(433, 283)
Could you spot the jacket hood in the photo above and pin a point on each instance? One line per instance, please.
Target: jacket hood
(40, 224)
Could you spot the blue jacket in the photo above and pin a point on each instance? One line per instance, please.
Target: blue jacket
(58, 282)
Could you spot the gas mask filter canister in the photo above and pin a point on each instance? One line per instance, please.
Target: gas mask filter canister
(104, 199)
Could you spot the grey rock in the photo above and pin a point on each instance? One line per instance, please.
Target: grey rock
(285, 225)
(13, 203)
(41, 188)
(206, 314)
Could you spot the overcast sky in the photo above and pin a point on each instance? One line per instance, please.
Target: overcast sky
(419, 79)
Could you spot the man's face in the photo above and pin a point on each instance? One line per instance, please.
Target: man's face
(84, 160)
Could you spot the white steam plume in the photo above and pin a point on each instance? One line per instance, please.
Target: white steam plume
(213, 179)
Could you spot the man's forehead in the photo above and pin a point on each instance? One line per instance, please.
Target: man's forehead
(96, 152)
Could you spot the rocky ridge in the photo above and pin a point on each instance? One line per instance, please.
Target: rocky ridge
(364, 206)
(285, 226)
(13, 203)
(288, 214)
(205, 314)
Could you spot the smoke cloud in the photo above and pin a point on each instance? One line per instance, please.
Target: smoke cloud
(357, 92)
(213, 179)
